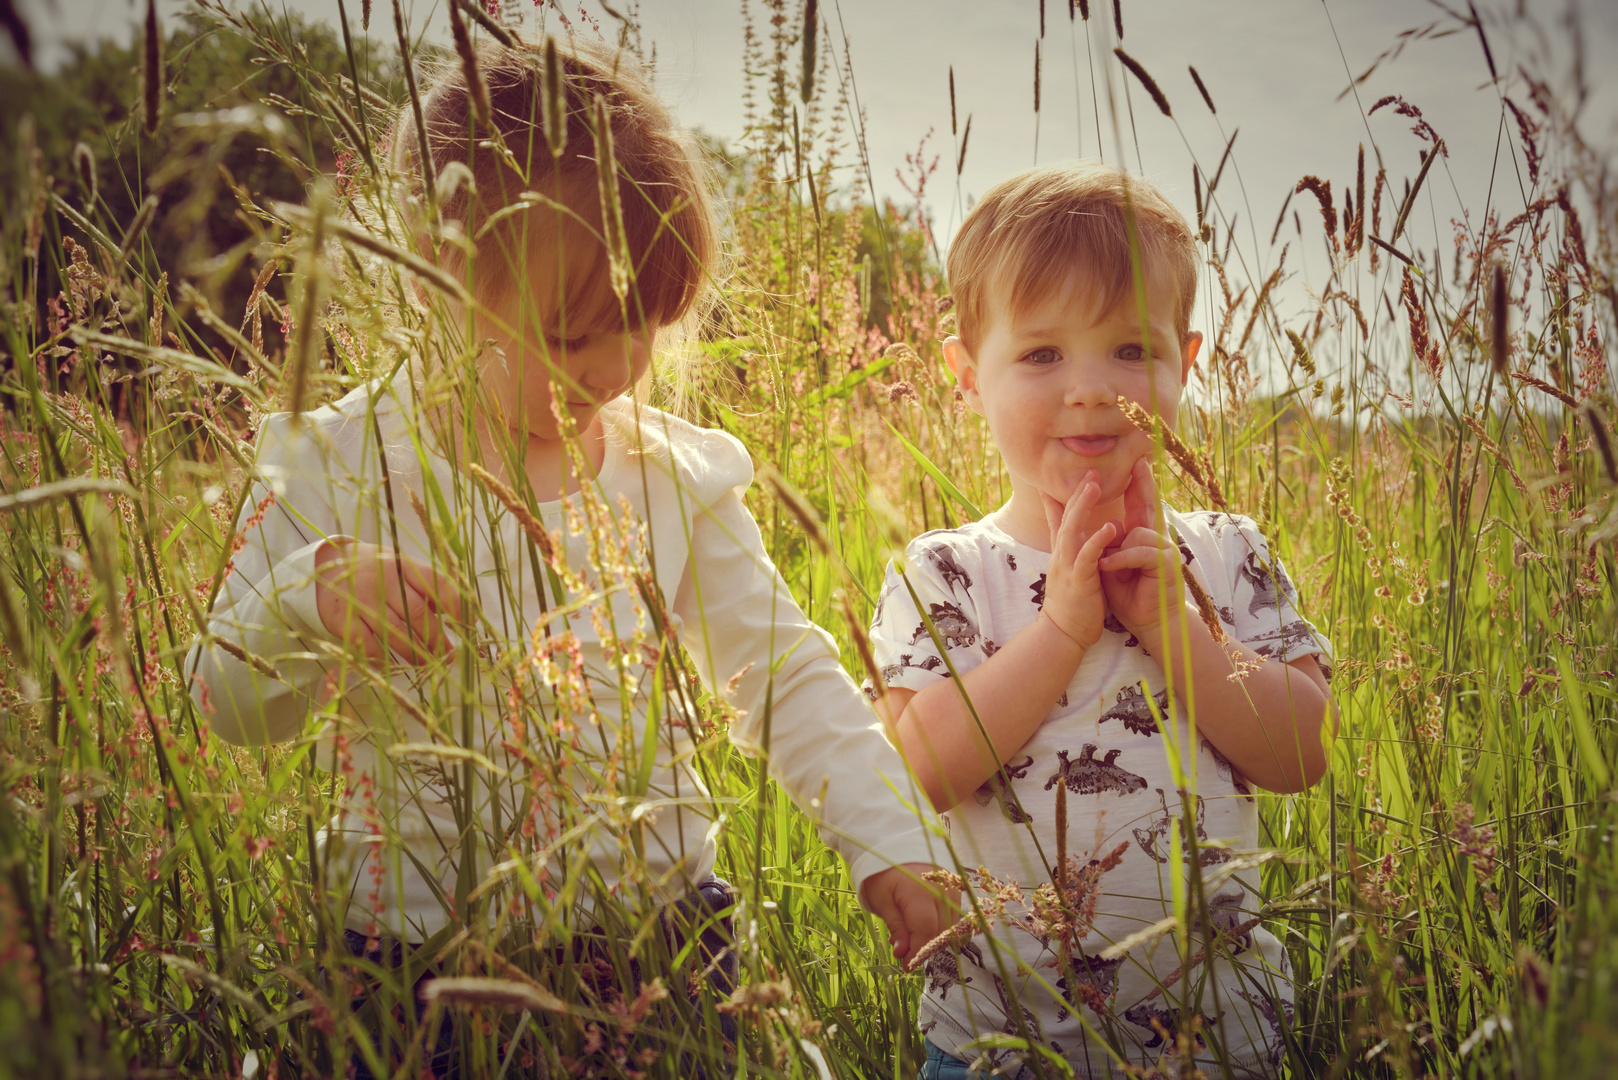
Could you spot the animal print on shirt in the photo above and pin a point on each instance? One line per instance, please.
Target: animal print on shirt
(952, 625)
(1154, 839)
(944, 969)
(1111, 623)
(1164, 1024)
(1132, 708)
(1270, 583)
(995, 788)
(949, 570)
(1087, 776)
(1095, 978)
(1038, 589)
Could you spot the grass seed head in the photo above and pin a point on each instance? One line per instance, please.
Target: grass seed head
(1145, 80)
(152, 70)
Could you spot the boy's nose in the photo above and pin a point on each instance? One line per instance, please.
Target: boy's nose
(1089, 388)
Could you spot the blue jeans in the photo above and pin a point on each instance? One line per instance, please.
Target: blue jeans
(942, 1066)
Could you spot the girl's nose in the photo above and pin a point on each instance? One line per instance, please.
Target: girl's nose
(610, 368)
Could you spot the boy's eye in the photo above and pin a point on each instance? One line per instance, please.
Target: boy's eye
(1132, 353)
(1042, 356)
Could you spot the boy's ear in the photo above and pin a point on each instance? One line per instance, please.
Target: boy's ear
(1188, 359)
(964, 368)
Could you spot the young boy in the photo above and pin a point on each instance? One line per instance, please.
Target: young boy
(1054, 611)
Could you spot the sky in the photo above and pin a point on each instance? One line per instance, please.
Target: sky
(1275, 69)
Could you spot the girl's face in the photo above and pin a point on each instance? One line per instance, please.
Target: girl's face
(579, 373)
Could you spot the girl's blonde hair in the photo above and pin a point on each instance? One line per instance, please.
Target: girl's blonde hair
(532, 223)
(1029, 234)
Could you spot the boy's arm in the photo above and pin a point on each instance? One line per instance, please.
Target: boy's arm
(1013, 691)
(955, 735)
(1268, 721)
(1265, 718)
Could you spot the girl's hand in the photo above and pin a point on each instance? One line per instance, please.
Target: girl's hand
(366, 594)
(1132, 575)
(1073, 596)
(914, 911)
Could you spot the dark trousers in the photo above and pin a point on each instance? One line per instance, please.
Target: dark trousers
(698, 912)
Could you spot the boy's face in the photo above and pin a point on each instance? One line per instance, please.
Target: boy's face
(1048, 379)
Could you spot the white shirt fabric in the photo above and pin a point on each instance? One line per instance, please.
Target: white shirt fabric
(672, 493)
(1102, 740)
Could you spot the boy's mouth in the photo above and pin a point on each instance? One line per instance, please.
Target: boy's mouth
(1090, 445)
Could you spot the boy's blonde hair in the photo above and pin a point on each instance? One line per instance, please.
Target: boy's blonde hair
(663, 186)
(1029, 234)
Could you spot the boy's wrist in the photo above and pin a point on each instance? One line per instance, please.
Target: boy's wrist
(1152, 633)
(1057, 639)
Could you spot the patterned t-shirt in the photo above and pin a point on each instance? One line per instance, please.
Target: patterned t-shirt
(1104, 743)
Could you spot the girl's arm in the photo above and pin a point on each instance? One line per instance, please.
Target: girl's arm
(266, 607)
(797, 706)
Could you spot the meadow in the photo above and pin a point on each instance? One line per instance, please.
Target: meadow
(1429, 447)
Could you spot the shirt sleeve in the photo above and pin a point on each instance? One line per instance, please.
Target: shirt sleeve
(265, 608)
(797, 706)
(933, 580)
(1264, 600)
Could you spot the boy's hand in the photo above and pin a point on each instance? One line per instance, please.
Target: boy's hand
(914, 911)
(1074, 600)
(364, 592)
(1132, 574)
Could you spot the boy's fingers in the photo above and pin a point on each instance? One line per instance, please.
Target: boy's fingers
(1078, 508)
(1140, 497)
(1090, 555)
(1144, 557)
(1053, 516)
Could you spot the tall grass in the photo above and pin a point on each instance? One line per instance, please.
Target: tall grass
(1429, 450)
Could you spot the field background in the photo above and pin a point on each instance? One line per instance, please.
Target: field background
(1430, 451)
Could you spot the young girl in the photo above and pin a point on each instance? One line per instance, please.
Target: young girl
(482, 602)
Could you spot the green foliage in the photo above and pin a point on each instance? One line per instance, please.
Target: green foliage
(1446, 896)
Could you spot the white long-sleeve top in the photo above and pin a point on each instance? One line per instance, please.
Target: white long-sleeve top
(671, 493)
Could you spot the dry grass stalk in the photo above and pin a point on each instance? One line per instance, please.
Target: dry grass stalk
(811, 30)
(554, 104)
(137, 228)
(1603, 440)
(84, 163)
(152, 70)
(1145, 80)
(612, 216)
(1494, 448)
(477, 89)
(1182, 454)
(790, 497)
(1321, 190)
(1203, 90)
(1546, 388)
(1499, 315)
(518, 509)
(493, 993)
(1205, 608)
